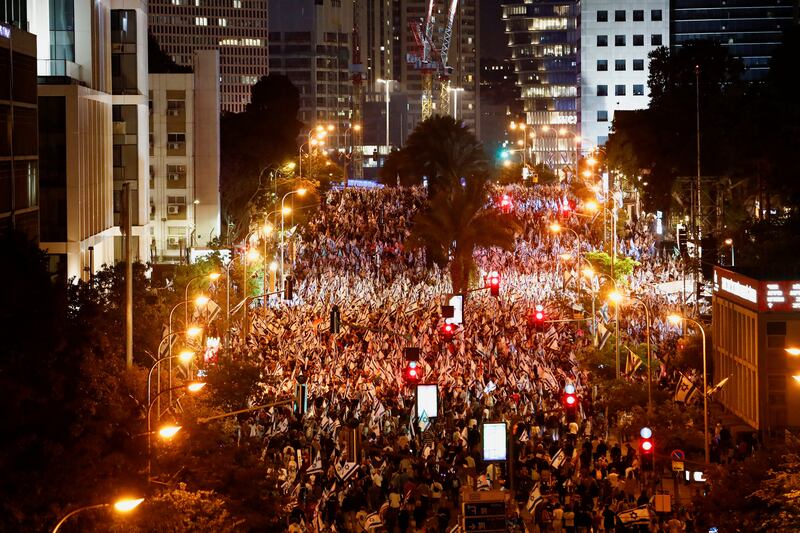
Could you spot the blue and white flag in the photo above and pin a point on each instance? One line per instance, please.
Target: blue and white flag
(345, 471)
(558, 459)
(316, 466)
(634, 517)
(373, 521)
(534, 499)
(424, 422)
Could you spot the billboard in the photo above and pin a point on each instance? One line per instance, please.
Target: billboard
(494, 441)
(428, 400)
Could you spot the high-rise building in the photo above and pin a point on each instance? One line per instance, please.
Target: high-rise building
(310, 43)
(463, 57)
(615, 38)
(543, 38)
(19, 148)
(748, 29)
(92, 130)
(500, 102)
(237, 28)
(184, 158)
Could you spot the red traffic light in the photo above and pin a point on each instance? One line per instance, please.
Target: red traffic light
(569, 400)
(413, 372)
(538, 315)
(647, 446)
(506, 204)
(493, 279)
(448, 330)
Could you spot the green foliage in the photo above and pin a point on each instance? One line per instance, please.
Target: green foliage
(623, 266)
(441, 149)
(233, 383)
(180, 510)
(455, 223)
(759, 494)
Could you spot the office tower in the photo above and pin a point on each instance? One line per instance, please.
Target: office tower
(543, 38)
(500, 102)
(184, 158)
(309, 42)
(463, 58)
(237, 28)
(19, 149)
(616, 37)
(748, 29)
(92, 130)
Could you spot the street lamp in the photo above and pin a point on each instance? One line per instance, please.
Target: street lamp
(729, 242)
(168, 431)
(617, 298)
(124, 505)
(556, 228)
(386, 86)
(793, 351)
(299, 192)
(677, 319)
(353, 127)
(192, 331)
(213, 276)
(455, 91)
(192, 388)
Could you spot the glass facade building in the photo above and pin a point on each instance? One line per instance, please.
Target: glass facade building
(748, 29)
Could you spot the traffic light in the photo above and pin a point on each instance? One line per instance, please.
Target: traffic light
(412, 373)
(336, 319)
(448, 331)
(646, 445)
(506, 204)
(288, 289)
(538, 315)
(570, 401)
(494, 283)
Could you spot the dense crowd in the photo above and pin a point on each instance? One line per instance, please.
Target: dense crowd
(362, 459)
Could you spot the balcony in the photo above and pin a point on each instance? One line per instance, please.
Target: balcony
(58, 68)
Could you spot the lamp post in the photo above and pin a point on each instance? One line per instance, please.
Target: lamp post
(249, 255)
(677, 319)
(617, 300)
(192, 387)
(353, 127)
(121, 506)
(556, 228)
(213, 276)
(729, 242)
(566, 132)
(455, 91)
(299, 192)
(616, 319)
(189, 332)
(386, 97)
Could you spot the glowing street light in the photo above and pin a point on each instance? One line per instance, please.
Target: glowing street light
(591, 206)
(201, 300)
(195, 386)
(168, 431)
(793, 351)
(186, 357)
(555, 227)
(214, 276)
(121, 506)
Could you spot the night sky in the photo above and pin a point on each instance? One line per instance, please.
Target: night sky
(492, 39)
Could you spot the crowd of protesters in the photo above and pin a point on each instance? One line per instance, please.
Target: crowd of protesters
(362, 459)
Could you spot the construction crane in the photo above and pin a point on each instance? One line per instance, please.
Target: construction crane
(423, 58)
(357, 75)
(445, 69)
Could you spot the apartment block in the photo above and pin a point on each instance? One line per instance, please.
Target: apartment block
(19, 144)
(92, 70)
(615, 38)
(236, 28)
(310, 43)
(184, 158)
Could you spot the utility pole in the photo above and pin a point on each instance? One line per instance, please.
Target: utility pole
(696, 202)
(127, 216)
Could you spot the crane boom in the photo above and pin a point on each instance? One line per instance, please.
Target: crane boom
(445, 69)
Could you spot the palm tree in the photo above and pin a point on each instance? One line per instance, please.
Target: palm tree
(445, 151)
(455, 223)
